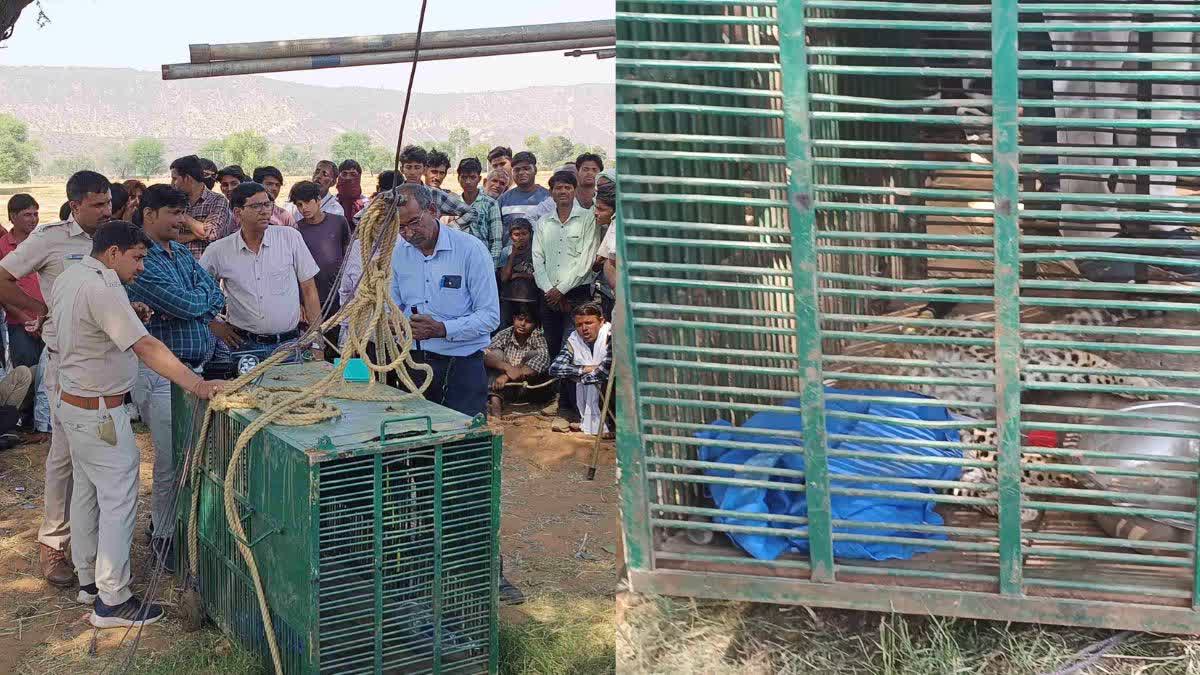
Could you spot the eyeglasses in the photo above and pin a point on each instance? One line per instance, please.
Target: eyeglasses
(261, 206)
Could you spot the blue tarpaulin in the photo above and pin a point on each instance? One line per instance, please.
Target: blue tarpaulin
(874, 419)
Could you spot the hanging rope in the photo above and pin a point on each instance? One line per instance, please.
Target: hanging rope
(370, 314)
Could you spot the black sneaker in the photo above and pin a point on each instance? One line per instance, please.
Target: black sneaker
(129, 613)
(509, 594)
(87, 595)
(164, 553)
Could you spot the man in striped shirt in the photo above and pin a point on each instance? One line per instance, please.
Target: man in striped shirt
(488, 226)
(207, 216)
(525, 195)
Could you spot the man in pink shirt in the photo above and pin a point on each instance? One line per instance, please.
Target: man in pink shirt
(24, 348)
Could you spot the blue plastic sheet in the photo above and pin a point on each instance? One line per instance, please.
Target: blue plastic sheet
(883, 420)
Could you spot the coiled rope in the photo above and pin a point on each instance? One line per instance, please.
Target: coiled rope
(371, 313)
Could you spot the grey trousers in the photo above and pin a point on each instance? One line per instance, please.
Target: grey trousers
(104, 498)
(152, 396)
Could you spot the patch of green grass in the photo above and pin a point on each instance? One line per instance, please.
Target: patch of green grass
(663, 635)
(562, 635)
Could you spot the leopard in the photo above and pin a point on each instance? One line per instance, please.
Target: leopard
(981, 443)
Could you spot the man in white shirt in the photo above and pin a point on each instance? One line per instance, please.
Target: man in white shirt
(268, 274)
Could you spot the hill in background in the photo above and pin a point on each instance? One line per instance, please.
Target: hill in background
(83, 111)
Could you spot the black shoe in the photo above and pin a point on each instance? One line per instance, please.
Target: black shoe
(164, 553)
(509, 594)
(129, 613)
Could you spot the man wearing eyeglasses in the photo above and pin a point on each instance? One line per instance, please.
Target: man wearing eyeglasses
(269, 278)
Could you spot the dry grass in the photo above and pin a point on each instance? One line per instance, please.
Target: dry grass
(663, 635)
(205, 651)
(562, 635)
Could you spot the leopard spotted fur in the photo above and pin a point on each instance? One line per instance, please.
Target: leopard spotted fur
(948, 354)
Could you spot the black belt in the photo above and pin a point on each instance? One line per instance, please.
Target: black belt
(434, 356)
(267, 339)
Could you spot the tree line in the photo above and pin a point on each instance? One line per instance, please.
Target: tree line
(146, 157)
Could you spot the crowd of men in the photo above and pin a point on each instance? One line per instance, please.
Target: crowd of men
(507, 285)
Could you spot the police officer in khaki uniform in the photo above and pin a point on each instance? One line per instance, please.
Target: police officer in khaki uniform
(48, 251)
(99, 340)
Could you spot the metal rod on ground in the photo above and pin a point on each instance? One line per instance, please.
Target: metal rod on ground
(591, 472)
(183, 71)
(363, 44)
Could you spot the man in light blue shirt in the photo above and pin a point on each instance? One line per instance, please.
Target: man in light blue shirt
(445, 282)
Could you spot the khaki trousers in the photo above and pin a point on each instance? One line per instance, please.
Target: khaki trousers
(55, 531)
(103, 500)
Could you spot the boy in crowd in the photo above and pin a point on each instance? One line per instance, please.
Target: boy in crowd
(517, 275)
(488, 227)
(500, 157)
(327, 237)
(272, 179)
(24, 348)
(229, 178)
(586, 361)
(412, 163)
(517, 354)
(437, 165)
(525, 195)
(325, 175)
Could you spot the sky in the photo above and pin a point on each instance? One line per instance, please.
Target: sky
(144, 34)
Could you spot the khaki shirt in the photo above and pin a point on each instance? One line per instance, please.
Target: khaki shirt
(49, 250)
(262, 290)
(97, 327)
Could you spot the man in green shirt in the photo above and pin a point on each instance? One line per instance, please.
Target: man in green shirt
(564, 247)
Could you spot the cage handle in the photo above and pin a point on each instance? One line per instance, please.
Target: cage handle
(397, 420)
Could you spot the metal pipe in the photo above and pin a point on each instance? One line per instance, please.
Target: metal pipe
(363, 44)
(603, 53)
(182, 71)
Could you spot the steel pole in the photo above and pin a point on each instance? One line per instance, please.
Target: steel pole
(363, 44)
(183, 71)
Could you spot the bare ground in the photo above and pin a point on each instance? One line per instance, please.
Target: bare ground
(558, 540)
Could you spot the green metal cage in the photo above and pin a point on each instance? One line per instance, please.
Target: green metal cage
(800, 181)
(376, 534)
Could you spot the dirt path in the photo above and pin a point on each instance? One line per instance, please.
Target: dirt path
(558, 537)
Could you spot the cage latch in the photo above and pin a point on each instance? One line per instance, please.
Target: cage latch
(275, 529)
